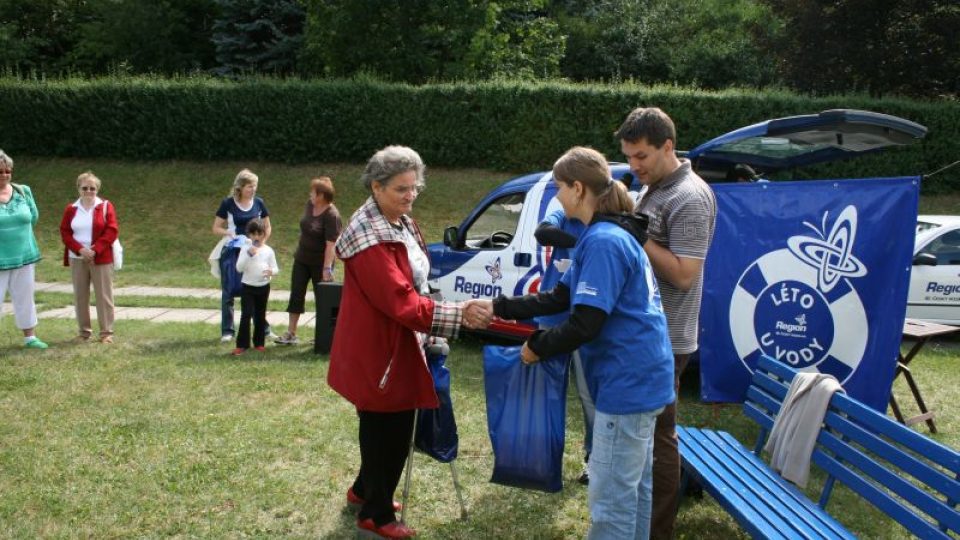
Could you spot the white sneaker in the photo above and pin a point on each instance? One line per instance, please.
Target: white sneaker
(287, 339)
(226, 338)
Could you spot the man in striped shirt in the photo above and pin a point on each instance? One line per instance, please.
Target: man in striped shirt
(682, 211)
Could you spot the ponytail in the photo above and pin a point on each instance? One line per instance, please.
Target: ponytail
(614, 200)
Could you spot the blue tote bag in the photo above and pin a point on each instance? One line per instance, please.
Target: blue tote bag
(232, 279)
(526, 410)
(436, 433)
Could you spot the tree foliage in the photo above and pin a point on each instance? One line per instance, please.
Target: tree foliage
(146, 36)
(38, 35)
(258, 36)
(421, 40)
(708, 43)
(875, 46)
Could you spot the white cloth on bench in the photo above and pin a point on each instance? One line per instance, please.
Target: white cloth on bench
(795, 430)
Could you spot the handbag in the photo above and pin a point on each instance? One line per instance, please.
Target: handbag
(116, 247)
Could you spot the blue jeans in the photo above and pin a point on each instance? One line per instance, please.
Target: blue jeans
(621, 475)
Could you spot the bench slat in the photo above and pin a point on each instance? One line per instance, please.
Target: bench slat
(909, 463)
(930, 505)
(878, 498)
(791, 500)
(743, 480)
(905, 436)
(695, 458)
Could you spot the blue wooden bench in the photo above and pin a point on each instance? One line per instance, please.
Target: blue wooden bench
(909, 477)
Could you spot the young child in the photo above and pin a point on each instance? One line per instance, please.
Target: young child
(258, 264)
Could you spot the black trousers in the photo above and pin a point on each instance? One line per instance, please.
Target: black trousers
(253, 305)
(384, 443)
(301, 276)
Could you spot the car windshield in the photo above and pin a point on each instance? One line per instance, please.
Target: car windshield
(769, 147)
(926, 226)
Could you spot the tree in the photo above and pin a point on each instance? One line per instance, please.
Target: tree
(38, 35)
(422, 40)
(874, 46)
(258, 36)
(709, 43)
(146, 36)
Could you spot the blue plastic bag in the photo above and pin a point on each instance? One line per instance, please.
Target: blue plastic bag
(436, 433)
(231, 278)
(526, 411)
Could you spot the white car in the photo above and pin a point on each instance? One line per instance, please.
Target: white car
(935, 278)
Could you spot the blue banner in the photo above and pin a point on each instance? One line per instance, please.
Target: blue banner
(813, 273)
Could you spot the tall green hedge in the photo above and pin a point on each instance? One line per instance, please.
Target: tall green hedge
(502, 125)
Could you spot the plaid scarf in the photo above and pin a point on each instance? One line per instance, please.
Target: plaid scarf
(368, 227)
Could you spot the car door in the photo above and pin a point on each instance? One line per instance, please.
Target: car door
(798, 141)
(935, 277)
(489, 256)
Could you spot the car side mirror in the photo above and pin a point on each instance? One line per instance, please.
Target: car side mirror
(450, 237)
(924, 259)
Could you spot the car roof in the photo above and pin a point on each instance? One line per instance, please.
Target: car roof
(797, 141)
(938, 219)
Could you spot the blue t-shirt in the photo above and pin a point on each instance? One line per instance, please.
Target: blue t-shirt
(238, 218)
(552, 274)
(629, 366)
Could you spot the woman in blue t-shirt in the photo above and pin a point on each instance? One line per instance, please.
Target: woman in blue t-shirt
(235, 211)
(617, 322)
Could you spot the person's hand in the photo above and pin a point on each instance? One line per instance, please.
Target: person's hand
(87, 254)
(327, 274)
(253, 251)
(267, 273)
(527, 356)
(477, 314)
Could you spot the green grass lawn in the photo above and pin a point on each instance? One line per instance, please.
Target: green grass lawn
(164, 434)
(166, 209)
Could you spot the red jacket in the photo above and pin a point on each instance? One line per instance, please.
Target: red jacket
(104, 233)
(377, 360)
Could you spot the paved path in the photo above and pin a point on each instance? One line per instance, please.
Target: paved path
(165, 314)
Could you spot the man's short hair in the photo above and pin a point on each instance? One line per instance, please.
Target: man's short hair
(650, 124)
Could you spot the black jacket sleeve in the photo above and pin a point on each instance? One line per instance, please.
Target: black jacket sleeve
(583, 325)
(531, 305)
(551, 235)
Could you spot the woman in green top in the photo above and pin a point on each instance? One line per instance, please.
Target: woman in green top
(18, 251)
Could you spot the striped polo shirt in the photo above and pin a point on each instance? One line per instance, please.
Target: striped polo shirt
(683, 213)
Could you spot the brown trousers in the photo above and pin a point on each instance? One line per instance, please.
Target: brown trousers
(101, 277)
(666, 462)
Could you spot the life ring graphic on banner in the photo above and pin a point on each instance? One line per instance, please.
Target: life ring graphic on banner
(798, 304)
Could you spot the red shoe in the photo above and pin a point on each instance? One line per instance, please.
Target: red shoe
(260, 348)
(354, 500)
(238, 351)
(394, 529)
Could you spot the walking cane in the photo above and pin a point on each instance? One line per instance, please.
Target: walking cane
(456, 486)
(406, 482)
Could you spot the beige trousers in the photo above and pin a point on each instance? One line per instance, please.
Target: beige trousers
(101, 276)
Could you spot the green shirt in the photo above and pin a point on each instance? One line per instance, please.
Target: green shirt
(18, 245)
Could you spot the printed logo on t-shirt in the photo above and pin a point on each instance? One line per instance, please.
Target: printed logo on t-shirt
(584, 288)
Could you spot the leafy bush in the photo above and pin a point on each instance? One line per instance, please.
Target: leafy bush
(502, 125)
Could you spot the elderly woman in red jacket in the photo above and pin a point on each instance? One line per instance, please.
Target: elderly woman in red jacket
(377, 361)
(88, 229)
